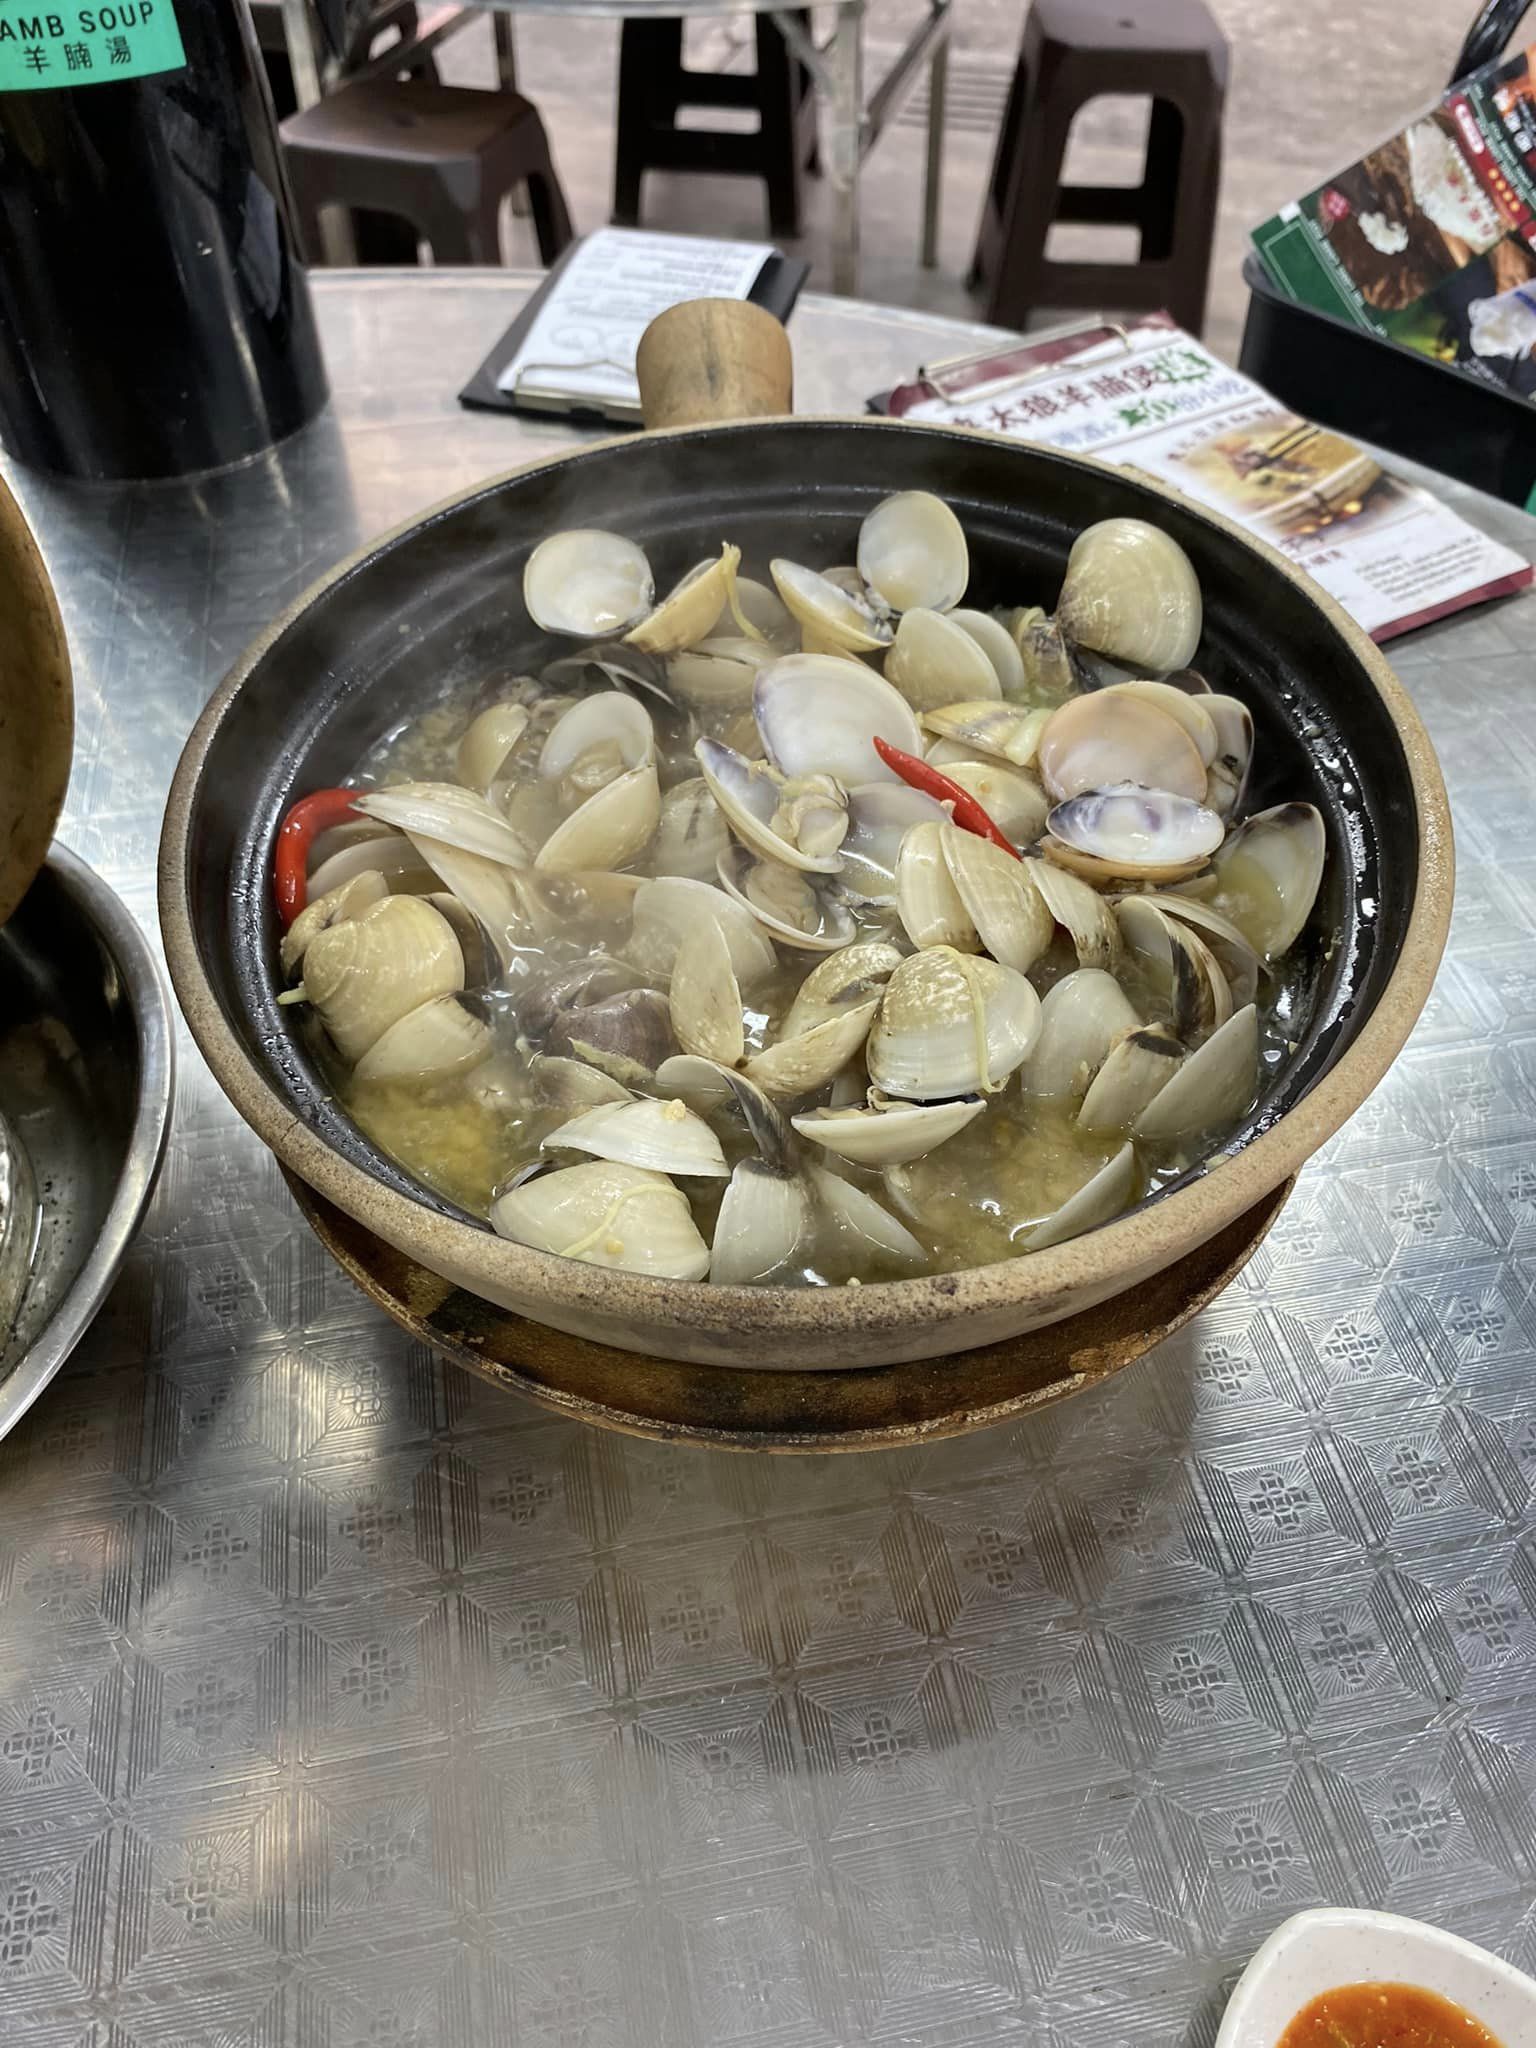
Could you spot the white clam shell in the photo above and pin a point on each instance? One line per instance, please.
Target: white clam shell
(819, 715)
(1003, 905)
(759, 608)
(435, 1040)
(831, 619)
(879, 816)
(1128, 831)
(569, 1084)
(1227, 776)
(587, 583)
(606, 1214)
(1080, 1019)
(841, 982)
(1183, 707)
(664, 1137)
(997, 644)
(691, 834)
(1080, 910)
(666, 908)
(607, 717)
(797, 1066)
(1211, 1088)
(1099, 1200)
(951, 1024)
(445, 811)
(856, 1215)
(891, 1133)
(765, 1219)
(705, 998)
(931, 908)
(934, 662)
(1104, 739)
(785, 902)
(688, 612)
(337, 906)
(1011, 797)
(1138, 1066)
(705, 1085)
(509, 904)
(1232, 953)
(748, 792)
(613, 826)
(1131, 592)
(718, 674)
(1007, 732)
(1179, 966)
(487, 741)
(1268, 873)
(366, 974)
(912, 552)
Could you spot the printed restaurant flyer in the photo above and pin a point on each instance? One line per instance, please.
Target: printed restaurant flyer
(1430, 239)
(1152, 396)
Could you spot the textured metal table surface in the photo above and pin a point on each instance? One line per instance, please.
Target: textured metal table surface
(344, 1700)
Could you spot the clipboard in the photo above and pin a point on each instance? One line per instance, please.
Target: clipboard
(776, 289)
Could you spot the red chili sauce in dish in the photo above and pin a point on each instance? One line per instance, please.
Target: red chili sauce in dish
(1384, 2016)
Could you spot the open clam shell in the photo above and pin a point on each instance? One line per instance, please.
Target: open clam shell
(764, 1225)
(718, 674)
(704, 997)
(1184, 707)
(798, 1066)
(1000, 901)
(1268, 873)
(1211, 1088)
(832, 620)
(1227, 775)
(1081, 1017)
(857, 1217)
(445, 811)
(1130, 832)
(912, 552)
(1051, 671)
(606, 1214)
(437, 1039)
(691, 833)
(588, 584)
(841, 982)
(1011, 797)
(688, 612)
(509, 904)
(758, 608)
(756, 803)
(785, 902)
(1238, 961)
(706, 1086)
(951, 1024)
(1106, 739)
(607, 719)
(931, 908)
(664, 911)
(1131, 592)
(819, 715)
(1139, 1065)
(933, 662)
(665, 1137)
(1007, 732)
(1080, 910)
(613, 826)
(880, 814)
(996, 643)
(1178, 966)
(888, 1133)
(488, 742)
(1099, 1200)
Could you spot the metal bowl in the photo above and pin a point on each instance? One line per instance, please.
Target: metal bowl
(85, 1083)
(439, 601)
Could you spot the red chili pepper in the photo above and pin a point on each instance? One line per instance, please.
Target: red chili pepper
(967, 812)
(305, 821)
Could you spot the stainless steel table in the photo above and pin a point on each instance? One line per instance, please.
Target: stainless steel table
(344, 1700)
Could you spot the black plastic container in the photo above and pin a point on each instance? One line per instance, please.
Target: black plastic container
(154, 316)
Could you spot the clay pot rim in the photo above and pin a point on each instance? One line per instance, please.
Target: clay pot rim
(1033, 1287)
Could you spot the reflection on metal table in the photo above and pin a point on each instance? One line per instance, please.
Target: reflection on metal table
(344, 1699)
(853, 122)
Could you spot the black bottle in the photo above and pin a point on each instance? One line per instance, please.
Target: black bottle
(154, 316)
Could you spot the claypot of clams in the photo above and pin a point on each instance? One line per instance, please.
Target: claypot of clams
(804, 893)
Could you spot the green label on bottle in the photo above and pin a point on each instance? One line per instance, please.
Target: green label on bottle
(59, 42)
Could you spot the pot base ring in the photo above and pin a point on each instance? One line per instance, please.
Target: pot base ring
(878, 1408)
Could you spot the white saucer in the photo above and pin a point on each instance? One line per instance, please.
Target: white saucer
(1319, 1951)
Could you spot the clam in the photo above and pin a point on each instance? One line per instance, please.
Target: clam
(614, 825)
(1050, 673)
(868, 1229)
(335, 907)
(509, 904)
(1002, 731)
(1011, 797)
(666, 909)
(1268, 873)
(757, 608)
(1211, 1088)
(880, 814)
(933, 662)
(1081, 1017)
(1127, 831)
(390, 855)
(704, 997)
(1238, 962)
(949, 1025)
(626, 1035)
(610, 663)
(688, 612)
(339, 838)
(1183, 707)
(457, 817)
(888, 1133)
(587, 584)
(819, 715)
(912, 553)
(434, 1041)
(718, 675)
(1105, 739)
(665, 1137)
(801, 1064)
(1138, 1065)
(706, 1086)
(832, 620)
(800, 821)
(606, 1214)
(785, 902)
(1227, 775)
(1000, 901)
(607, 731)
(1131, 592)
(1099, 1200)
(841, 982)
(562, 1083)
(927, 901)
(1080, 910)
(488, 741)
(692, 832)
(366, 974)
(1177, 964)
(765, 1219)
(996, 643)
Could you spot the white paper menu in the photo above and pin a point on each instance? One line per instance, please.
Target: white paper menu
(582, 343)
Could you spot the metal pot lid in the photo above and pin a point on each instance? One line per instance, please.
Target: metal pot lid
(37, 708)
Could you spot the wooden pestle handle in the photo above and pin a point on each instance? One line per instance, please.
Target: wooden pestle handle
(709, 360)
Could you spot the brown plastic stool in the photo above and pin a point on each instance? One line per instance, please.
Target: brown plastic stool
(654, 84)
(1170, 51)
(442, 157)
